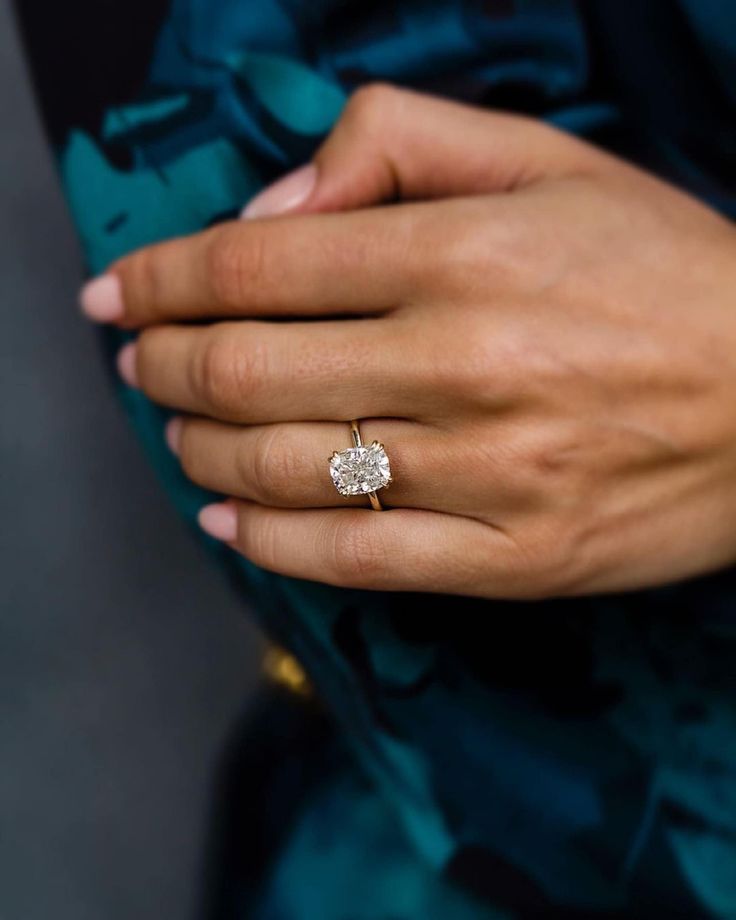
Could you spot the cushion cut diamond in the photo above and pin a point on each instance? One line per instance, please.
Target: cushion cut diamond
(359, 470)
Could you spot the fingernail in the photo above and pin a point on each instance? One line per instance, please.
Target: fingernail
(101, 299)
(283, 195)
(127, 364)
(173, 434)
(219, 521)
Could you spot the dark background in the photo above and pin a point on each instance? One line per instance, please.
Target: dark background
(124, 656)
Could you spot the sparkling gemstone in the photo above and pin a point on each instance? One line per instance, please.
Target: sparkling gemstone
(359, 470)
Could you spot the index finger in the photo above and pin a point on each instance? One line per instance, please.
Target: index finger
(363, 261)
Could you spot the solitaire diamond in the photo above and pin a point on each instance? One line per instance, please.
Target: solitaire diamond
(359, 470)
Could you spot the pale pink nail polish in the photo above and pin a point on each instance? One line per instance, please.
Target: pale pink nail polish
(127, 364)
(173, 434)
(219, 521)
(283, 195)
(101, 299)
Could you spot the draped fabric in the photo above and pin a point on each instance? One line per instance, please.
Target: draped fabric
(568, 758)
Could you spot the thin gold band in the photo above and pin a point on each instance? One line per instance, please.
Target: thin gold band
(358, 442)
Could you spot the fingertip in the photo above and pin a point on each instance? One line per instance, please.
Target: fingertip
(286, 194)
(219, 521)
(101, 299)
(173, 434)
(126, 362)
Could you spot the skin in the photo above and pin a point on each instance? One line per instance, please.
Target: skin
(543, 337)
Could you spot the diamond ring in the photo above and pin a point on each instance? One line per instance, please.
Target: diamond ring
(361, 470)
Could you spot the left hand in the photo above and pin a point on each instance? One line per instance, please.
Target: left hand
(547, 349)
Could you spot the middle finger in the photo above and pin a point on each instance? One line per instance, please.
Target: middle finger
(253, 372)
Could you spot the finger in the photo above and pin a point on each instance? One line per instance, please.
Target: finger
(287, 465)
(398, 550)
(363, 262)
(253, 372)
(391, 142)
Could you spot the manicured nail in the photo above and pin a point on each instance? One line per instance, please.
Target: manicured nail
(101, 299)
(219, 521)
(173, 434)
(283, 195)
(127, 364)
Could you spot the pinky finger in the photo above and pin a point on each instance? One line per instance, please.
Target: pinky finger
(401, 549)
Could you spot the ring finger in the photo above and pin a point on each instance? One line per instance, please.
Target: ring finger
(287, 465)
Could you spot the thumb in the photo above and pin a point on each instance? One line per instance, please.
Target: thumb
(392, 143)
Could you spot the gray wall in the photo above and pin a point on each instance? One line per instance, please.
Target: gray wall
(123, 656)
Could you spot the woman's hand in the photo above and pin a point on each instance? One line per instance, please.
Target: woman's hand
(547, 349)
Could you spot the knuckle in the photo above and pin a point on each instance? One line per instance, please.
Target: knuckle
(550, 563)
(260, 542)
(495, 368)
(236, 266)
(213, 371)
(141, 280)
(189, 454)
(357, 553)
(223, 373)
(272, 463)
(471, 376)
(370, 104)
(145, 353)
